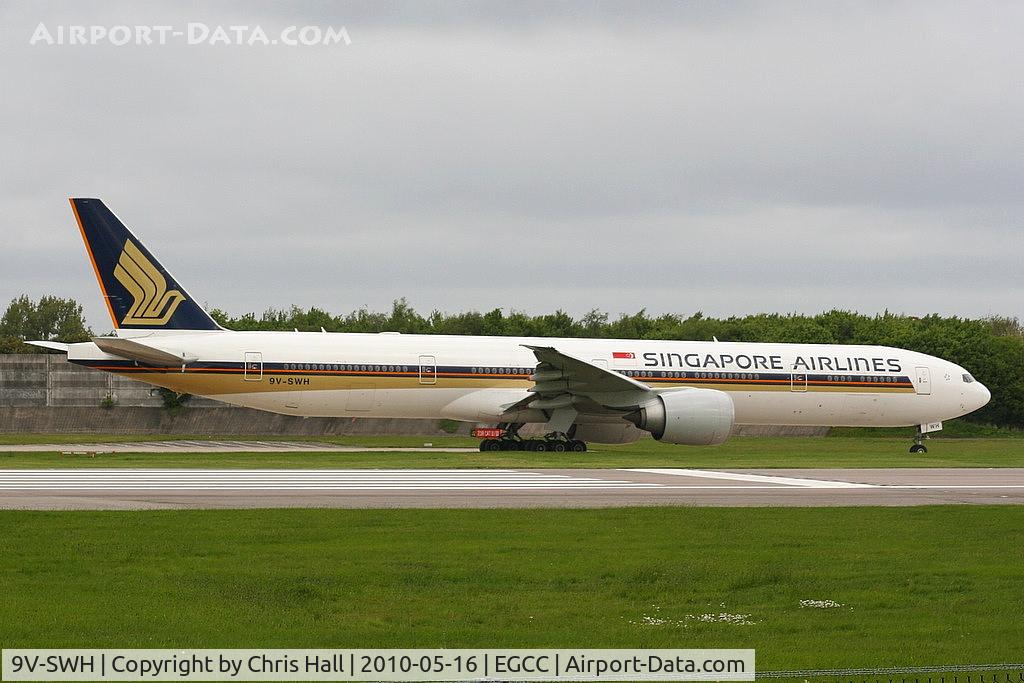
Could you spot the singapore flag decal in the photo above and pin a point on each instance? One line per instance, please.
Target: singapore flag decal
(623, 354)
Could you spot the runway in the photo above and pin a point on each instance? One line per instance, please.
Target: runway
(483, 488)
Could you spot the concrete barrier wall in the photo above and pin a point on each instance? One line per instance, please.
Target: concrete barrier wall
(50, 380)
(44, 394)
(198, 422)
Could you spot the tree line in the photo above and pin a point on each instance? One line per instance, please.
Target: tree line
(992, 349)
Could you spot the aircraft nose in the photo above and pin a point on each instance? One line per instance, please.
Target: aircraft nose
(983, 394)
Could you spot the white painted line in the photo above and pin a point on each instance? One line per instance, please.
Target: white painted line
(759, 478)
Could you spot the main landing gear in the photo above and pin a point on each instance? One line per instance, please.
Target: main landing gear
(508, 439)
(534, 445)
(919, 446)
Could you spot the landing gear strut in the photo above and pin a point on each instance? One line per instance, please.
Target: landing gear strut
(918, 446)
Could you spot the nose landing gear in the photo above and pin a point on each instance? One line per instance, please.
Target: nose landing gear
(919, 446)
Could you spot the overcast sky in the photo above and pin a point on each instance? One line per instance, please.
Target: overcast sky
(725, 157)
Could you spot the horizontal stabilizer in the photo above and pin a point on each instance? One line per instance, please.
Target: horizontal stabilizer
(56, 346)
(133, 350)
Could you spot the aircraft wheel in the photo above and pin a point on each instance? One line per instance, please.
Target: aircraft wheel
(578, 446)
(918, 448)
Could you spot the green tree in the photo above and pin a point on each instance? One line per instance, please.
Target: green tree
(49, 319)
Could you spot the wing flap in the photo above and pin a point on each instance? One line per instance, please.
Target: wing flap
(563, 382)
(562, 373)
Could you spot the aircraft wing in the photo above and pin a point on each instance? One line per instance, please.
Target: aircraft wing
(561, 380)
(561, 372)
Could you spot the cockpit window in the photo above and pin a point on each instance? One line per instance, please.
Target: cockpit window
(967, 378)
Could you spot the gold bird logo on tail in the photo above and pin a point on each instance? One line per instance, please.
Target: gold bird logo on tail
(154, 304)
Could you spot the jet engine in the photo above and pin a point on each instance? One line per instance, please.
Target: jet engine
(694, 417)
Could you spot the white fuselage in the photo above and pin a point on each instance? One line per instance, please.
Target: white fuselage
(477, 378)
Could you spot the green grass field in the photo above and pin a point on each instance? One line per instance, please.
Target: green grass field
(739, 452)
(921, 586)
(952, 429)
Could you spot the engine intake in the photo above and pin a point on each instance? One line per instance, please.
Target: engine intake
(694, 417)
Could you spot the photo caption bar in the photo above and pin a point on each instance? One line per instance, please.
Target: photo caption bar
(376, 665)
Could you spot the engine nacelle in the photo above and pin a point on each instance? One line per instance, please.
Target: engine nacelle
(694, 417)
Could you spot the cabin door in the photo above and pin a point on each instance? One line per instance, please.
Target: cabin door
(797, 381)
(428, 370)
(253, 366)
(924, 381)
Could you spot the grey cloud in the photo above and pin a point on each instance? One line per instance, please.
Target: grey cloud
(748, 157)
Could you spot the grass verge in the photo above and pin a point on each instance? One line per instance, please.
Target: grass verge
(358, 440)
(952, 429)
(740, 452)
(920, 586)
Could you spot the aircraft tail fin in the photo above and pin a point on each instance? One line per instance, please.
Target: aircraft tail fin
(140, 293)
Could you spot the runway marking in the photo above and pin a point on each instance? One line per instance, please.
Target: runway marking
(758, 478)
(438, 480)
(334, 480)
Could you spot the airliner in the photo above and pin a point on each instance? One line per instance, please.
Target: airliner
(571, 391)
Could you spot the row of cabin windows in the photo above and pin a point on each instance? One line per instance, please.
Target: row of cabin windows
(394, 368)
(524, 371)
(696, 375)
(346, 368)
(500, 371)
(880, 379)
